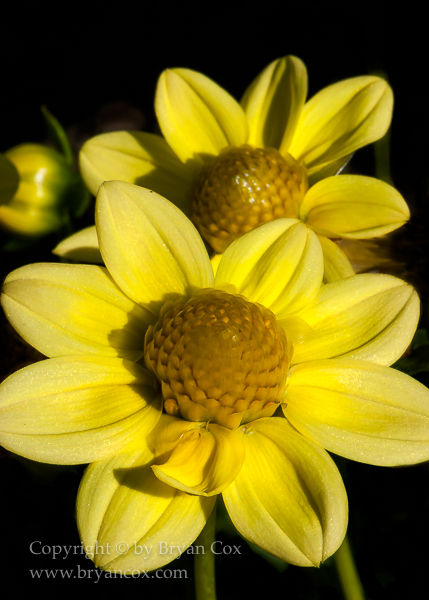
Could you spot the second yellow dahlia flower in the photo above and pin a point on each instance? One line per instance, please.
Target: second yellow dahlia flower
(179, 385)
(233, 166)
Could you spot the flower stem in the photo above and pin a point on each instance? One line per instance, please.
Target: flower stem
(205, 583)
(347, 572)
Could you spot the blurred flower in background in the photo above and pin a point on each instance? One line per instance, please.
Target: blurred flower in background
(46, 184)
(40, 186)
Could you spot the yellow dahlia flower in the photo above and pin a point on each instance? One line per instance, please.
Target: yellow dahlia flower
(232, 167)
(180, 385)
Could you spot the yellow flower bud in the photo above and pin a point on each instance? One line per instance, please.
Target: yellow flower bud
(45, 178)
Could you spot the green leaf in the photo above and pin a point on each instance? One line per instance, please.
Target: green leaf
(58, 135)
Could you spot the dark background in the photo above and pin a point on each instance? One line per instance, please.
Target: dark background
(77, 63)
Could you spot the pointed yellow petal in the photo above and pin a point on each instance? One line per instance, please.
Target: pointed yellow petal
(197, 117)
(148, 245)
(76, 410)
(273, 103)
(353, 206)
(136, 157)
(129, 521)
(167, 433)
(362, 411)
(81, 246)
(67, 310)
(337, 265)
(370, 316)
(279, 264)
(204, 461)
(289, 498)
(340, 119)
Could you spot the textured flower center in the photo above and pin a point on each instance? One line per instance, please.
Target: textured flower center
(219, 358)
(245, 187)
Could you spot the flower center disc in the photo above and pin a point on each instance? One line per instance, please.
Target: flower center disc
(245, 187)
(219, 358)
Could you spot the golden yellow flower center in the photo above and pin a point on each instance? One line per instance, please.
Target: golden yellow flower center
(219, 358)
(245, 187)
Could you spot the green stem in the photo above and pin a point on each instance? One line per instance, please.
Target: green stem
(58, 135)
(347, 572)
(205, 583)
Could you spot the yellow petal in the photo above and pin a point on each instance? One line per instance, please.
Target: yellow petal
(337, 265)
(362, 411)
(215, 260)
(148, 245)
(354, 207)
(197, 117)
(205, 460)
(340, 119)
(296, 329)
(279, 265)
(136, 157)
(129, 521)
(76, 410)
(289, 498)
(273, 103)
(81, 246)
(370, 316)
(67, 310)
